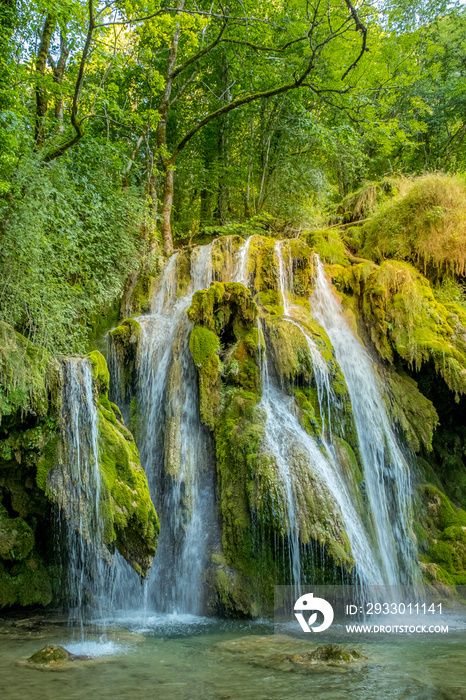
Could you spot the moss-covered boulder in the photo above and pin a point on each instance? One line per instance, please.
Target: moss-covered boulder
(126, 339)
(441, 533)
(51, 656)
(225, 315)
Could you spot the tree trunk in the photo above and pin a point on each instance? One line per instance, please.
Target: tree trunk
(58, 74)
(41, 94)
(161, 138)
(168, 189)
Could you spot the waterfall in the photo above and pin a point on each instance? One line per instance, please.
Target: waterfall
(77, 488)
(176, 449)
(385, 469)
(178, 456)
(277, 444)
(241, 271)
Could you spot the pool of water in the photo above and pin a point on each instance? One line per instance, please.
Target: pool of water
(182, 657)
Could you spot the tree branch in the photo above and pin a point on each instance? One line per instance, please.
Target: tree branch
(60, 150)
(360, 27)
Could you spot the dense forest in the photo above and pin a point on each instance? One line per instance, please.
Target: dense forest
(232, 328)
(129, 129)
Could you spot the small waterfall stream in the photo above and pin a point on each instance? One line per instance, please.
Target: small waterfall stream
(78, 487)
(175, 447)
(385, 469)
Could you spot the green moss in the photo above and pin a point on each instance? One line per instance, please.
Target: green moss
(403, 317)
(224, 256)
(424, 224)
(290, 349)
(16, 537)
(263, 267)
(183, 272)
(215, 307)
(50, 655)
(137, 298)
(327, 243)
(100, 372)
(352, 278)
(203, 343)
(225, 341)
(130, 518)
(46, 462)
(126, 338)
(411, 410)
(233, 595)
(25, 583)
(442, 542)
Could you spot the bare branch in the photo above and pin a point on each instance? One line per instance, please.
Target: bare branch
(360, 27)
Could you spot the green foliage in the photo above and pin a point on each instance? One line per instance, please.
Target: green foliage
(23, 370)
(70, 237)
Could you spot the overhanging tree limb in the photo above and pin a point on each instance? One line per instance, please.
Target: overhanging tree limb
(77, 124)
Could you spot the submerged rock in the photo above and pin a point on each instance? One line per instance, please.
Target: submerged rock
(52, 655)
(282, 653)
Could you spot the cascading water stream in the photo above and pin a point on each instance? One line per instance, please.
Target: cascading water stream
(284, 432)
(77, 485)
(241, 271)
(276, 444)
(385, 469)
(175, 447)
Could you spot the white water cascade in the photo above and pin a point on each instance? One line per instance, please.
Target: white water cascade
(175, 447)
(284, 434)
(385, 468)
(178, 456)
(77, 488)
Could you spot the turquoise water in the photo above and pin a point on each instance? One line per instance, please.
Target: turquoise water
(187, 658)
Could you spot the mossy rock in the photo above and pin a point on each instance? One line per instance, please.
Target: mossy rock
(441, 534)
(100, 373)
(25, 583)
(424, 225)
(224, 257)
(328, 244)
(126, 339)
(137, 294)
(225, 317)
(130, 518)
(410, 409)
(16, 537)
(50, 654)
